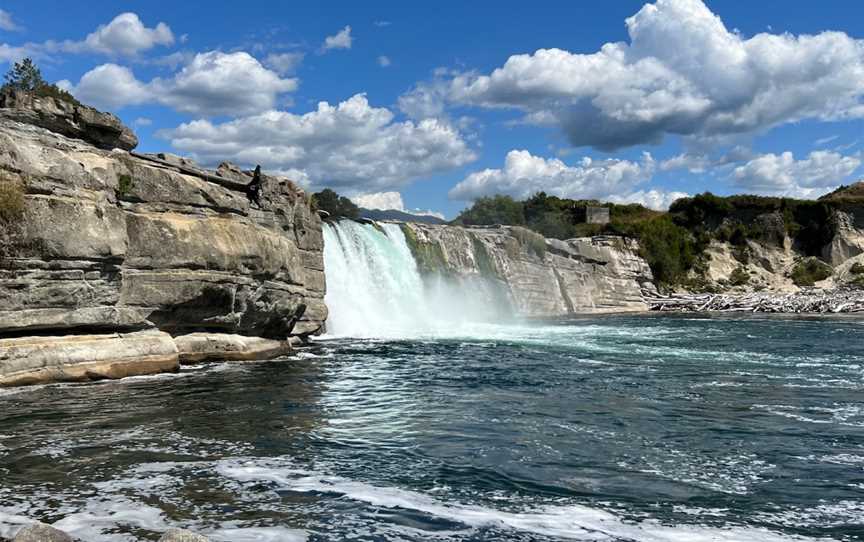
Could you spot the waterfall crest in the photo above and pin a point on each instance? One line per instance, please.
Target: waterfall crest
(374, 287)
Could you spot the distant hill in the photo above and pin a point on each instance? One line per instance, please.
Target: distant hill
(852, 191)
(393, 214)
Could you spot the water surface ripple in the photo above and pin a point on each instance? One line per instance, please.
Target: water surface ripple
(648, 428)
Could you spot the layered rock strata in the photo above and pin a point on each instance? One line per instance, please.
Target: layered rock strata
(115, 253)
(542, 277)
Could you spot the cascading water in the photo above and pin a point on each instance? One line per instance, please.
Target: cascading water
(374, 288)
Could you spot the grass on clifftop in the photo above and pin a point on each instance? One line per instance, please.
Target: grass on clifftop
(674, 242)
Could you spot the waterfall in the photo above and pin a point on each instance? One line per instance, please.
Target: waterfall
(374, 288)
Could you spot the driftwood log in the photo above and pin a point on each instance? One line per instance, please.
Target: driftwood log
(805, 301)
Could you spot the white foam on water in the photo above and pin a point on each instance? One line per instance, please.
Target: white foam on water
(10, 522)
(257, 534)
(849, 414)
(572, 521)
(101, 516)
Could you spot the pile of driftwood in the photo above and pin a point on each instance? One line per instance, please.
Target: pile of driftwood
(805, 301)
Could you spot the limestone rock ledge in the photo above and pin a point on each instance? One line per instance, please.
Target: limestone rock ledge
(201, 347)
(541, 277)
(117, 252)
(77, 358)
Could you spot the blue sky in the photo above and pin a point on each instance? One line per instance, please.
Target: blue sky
(431, 105)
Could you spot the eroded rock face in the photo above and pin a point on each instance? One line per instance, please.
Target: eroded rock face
(543, 277)
(103, 130)
(848, 240)
(111, 242)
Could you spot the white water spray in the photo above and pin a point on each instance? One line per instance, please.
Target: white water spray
(374, 288)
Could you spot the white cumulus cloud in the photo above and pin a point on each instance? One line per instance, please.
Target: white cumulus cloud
(380, 200)
(212, 83)
(351, 147)
(384, 61)
(125, 35)
(782, 174)
(340, 40)
(110, 86)
(524, 174)
(682, 72)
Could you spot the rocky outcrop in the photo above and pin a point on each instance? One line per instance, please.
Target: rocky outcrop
(847, 242)
(542, 277)
(118, 252)
(75, 358)
(74, 120)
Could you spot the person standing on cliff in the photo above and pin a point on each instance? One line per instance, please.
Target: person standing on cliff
(253, 189)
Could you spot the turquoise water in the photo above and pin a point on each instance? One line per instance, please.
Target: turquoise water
(648, 428)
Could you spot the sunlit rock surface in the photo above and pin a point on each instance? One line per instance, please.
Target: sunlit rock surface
(115, 243)
(544, 277)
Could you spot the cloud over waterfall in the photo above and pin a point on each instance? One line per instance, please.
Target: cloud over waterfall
(524, 174)
(682, 72)
(351, 147)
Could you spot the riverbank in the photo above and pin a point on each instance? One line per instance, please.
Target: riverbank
(808, 301)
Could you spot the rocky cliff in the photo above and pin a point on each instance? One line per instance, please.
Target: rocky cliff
(114, 254)
(543, 277)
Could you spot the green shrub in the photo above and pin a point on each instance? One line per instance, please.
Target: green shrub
(124, 186)
(26, 76)
(11, 214)
(857, 282)
(669, 249)
(588, 230)
(809, 271)
(334, 204)
(739, 277)
(11, 200)
(857, 268)
(493, 210)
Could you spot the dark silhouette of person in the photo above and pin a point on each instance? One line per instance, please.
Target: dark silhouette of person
(253, 189)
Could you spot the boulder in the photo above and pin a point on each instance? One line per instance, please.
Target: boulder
(182, 535)
(40, 532)
(77, 121)
(199, 347)
(75, 358)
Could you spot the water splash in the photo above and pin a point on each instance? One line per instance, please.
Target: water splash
(374, 288)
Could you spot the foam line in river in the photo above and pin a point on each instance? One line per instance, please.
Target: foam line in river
(568, 521)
